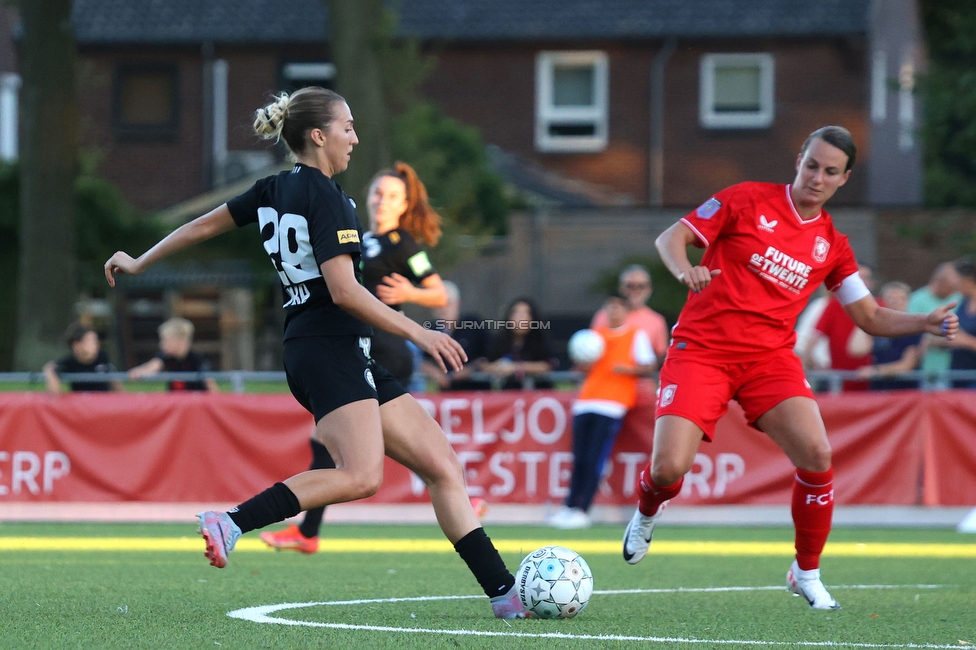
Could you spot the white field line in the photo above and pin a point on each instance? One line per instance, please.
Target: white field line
(262, 614)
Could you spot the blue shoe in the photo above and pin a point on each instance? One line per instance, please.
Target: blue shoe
(220, 533)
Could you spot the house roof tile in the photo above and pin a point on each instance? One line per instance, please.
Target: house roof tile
(298, 21)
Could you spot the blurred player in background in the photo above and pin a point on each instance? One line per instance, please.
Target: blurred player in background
(396, 270)
(310, 230)
(768, 247)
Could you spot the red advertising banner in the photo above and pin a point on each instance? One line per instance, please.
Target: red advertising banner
(889, 448)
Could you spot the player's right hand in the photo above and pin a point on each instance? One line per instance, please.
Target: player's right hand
(443, 349)
(698, 277)
(120, 263)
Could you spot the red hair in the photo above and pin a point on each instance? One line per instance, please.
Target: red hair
(420, 220)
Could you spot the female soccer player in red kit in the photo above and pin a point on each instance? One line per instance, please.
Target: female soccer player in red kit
(768, 248)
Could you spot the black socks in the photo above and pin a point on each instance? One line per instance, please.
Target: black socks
(485, 563)
(275, 504)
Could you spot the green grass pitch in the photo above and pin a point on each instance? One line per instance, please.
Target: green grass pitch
(174, 599)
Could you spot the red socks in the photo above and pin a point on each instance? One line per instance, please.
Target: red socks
(653, 495)
(813, 509)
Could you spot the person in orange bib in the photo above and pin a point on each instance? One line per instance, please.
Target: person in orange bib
(609, 391)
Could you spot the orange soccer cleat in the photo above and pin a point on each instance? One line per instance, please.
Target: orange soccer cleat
(290, 538)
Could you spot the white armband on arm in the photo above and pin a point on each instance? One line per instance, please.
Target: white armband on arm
(851, 289)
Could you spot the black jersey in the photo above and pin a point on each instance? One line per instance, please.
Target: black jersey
(305, 219)
(70, 364)
(192, 362)
(395, 251)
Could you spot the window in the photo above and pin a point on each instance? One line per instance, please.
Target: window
(146, 102)
(299, 75)
(571, 101)
(736, 91)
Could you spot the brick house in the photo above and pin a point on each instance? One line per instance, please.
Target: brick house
(619, 102)
(614, 115)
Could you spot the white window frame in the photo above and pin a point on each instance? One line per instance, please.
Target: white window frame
(546, 113)
(762, 118)
(308, 71)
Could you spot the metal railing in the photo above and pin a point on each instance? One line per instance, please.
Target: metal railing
(831, 381)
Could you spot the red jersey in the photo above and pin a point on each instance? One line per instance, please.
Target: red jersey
(771, 262)
(837, 326)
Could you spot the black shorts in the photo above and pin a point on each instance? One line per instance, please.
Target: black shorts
(326, 372)
(392, 352)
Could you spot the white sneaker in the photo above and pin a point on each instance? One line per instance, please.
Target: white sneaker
(637, 537)
(556, 518)
(570, 519)
(808, 584)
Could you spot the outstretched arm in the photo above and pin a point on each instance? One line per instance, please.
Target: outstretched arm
(215, 222)
(881, 321)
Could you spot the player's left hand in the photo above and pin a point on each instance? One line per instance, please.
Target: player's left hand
(942, 322)
(394, 290)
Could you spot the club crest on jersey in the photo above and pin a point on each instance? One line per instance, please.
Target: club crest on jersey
(348, 236)
(820, 248)
(766, 225)
(708, 209)
(667, 394)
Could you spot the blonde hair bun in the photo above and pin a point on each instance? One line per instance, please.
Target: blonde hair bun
(268, 121)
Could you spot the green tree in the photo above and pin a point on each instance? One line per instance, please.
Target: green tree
(949, 89)
(380, 74)
(105, 223)
(49, 132)
(357, 31)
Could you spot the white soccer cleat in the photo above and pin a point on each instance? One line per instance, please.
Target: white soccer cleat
(637, 537)
(808, 584)
(509, 605)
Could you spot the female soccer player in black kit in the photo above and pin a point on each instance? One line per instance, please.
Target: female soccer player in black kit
(396, 270)
(309, 228)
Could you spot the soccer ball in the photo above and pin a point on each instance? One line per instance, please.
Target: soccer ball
(554, 582)
(586, 346)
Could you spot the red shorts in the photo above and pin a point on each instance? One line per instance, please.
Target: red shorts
(696, 386)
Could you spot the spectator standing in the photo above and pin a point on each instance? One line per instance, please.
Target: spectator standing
(634, 283)
(943, 287)
(86, 356)
(896, 355)
(607, 393)
(520, 348)
(963, 346)
(850, 347)
(176, 355)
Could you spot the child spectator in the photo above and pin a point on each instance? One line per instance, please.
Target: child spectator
(175, 355)
(86, 356)
(609, 391)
